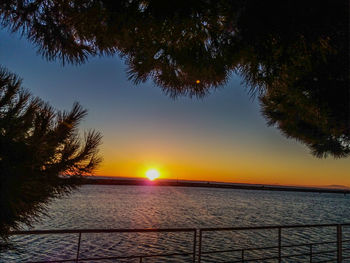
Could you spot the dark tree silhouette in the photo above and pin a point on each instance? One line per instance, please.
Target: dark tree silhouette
(41, 153)
(318, 125)
(191, 47)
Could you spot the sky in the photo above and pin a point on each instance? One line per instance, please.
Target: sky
(222, 137)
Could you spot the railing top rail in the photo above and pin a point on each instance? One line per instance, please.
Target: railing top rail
(144, 230)
(99, 230)
(82, 259)
(270, 227)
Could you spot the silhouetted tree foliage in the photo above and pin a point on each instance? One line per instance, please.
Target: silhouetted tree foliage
(41, 153)
(284, 50)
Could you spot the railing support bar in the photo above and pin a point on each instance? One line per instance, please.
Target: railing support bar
(200, 246)
(339, 244)
(194, 245)
(310, 253)
(78, 250)
(279, 245)
(242, 255)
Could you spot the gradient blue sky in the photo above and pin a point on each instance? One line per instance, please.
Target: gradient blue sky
(222, 137)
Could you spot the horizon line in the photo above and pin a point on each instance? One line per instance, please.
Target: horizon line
(332, 186)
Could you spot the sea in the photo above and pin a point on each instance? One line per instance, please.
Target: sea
(140, 207)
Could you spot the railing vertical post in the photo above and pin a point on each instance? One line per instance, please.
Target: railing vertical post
(194, 245)
(242, 255)
(339, 244)
(78, 250)
(310, 253)
(140, 260)
(200, 246)
(279, 245)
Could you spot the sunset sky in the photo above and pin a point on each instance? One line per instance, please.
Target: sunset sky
(222, 137)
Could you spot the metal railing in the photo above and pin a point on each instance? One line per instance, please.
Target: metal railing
(279, 247)
(79, 232)
(198, 253)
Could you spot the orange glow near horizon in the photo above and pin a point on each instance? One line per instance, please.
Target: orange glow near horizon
(240, 173)
(202, 160)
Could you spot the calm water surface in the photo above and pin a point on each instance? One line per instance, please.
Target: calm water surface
(171, 207)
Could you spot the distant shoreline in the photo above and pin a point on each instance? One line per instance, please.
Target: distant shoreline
(144, 182)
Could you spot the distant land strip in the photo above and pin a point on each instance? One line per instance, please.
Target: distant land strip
(141, 182)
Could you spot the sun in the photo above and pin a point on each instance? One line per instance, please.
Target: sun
(152, 174)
